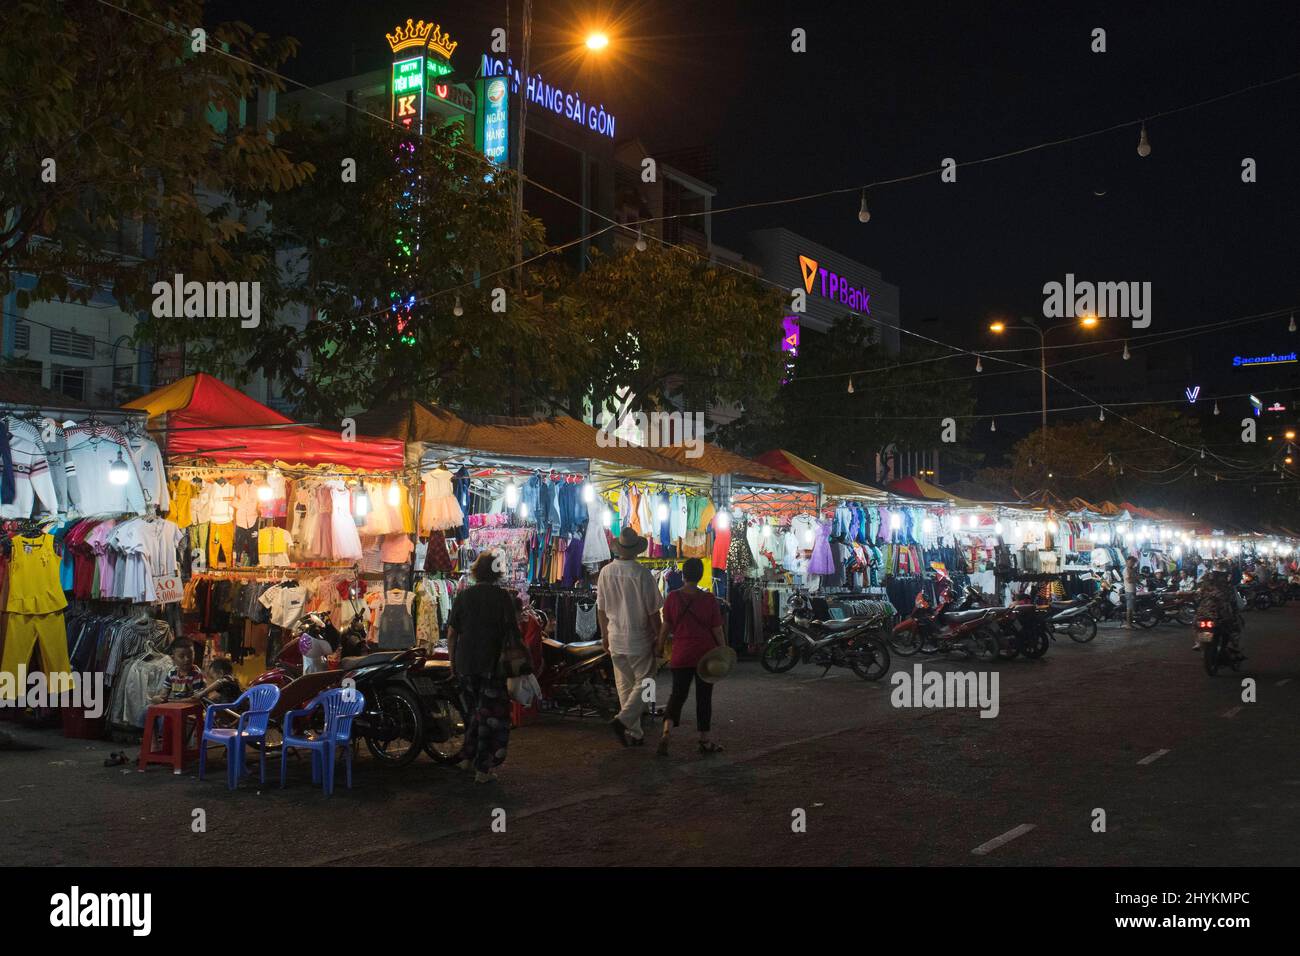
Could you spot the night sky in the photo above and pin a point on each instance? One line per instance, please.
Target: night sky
(890, 89)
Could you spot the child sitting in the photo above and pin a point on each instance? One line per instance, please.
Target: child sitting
(184, 680)
(222, 687)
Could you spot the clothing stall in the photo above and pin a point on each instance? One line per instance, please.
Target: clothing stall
(278, 520)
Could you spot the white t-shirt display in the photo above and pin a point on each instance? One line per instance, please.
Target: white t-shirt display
(221, 501)
(149, 466)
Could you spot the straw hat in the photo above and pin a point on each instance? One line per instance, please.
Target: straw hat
(629, 544)
(716, 664)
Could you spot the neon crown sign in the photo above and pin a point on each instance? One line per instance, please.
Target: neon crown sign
(418, 35)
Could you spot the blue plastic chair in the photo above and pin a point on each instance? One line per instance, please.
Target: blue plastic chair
(341, 706)
(251, 729)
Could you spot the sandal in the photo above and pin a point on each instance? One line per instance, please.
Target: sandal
(116, 759)
(709, 747)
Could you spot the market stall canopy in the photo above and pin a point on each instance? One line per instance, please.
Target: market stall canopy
(203, 417)
(550, 438)
(832, 484)
(718, 461)
(920, 488)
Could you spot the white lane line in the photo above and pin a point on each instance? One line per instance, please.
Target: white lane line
(1233, 711)
(1152, 758)
(1283, 682)
(986, 848)
(814, 680)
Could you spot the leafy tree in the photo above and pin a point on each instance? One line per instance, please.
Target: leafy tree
(892, 404)
(111, 122)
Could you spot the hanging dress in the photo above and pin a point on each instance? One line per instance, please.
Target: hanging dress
(595, 549)
(439, 509)
(822, 561)
(346, 543)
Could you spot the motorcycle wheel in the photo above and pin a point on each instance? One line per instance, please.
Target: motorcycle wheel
(1147, 619)
(448, 751)
(779, 655)
(869, 658)
(1212, 657)
(400, 706)
(1034, 644)
(1186, 615)
(1081, 631)
(1262, 602)
(987, 647)
(905, 643)
(1009, 647)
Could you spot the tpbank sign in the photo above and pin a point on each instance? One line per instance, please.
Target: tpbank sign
(831, 286)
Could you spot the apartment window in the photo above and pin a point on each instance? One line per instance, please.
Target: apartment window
(71, 344)
(22, 336)
(68, 381)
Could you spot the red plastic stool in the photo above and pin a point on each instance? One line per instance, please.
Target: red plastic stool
(174, 716)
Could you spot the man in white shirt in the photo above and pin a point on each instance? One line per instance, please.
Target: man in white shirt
(627, 606)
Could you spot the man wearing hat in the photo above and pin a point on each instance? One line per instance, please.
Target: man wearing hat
(627, 606)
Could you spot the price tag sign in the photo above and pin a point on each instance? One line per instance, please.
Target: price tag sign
(169, 588)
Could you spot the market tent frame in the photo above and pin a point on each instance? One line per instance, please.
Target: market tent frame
(833, 485)
(201, 418)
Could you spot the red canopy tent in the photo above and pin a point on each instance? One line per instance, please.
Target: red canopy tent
(203, 417)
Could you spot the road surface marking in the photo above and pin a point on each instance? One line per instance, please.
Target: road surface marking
(813, 680)
(1152, 758)
(986, 848)
(1283, 682)
(1233, 711)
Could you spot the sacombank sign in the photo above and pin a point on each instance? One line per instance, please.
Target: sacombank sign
(834, 287)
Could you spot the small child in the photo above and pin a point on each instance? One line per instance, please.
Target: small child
(184, 680)
(222, 688)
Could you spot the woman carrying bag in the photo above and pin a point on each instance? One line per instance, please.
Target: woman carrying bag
(485, 648)
(699, 656)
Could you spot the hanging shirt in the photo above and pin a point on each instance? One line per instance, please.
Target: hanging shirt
(149, 466)
(95, 450)
(245, 504)
(31, 467)
(221, 499)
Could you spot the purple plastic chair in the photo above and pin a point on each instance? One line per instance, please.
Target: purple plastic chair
(251, 729)
(341, 706)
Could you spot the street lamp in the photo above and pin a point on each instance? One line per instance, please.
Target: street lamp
(1088, 321)
(597, 41)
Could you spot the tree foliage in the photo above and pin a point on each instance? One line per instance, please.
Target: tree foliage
(123, 107)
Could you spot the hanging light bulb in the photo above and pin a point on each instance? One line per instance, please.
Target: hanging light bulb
(997, 527)
(588, 493)
(264, 492)
(640, 240)
(512, 495)
(895, 521)
(1126, 355)
(1110, 462)
(1216, 408)
(1144, 145)
(864, 214)
(607, 518)
(1101, 416)
(927, 524)
(394, 494)
(1202, 454)
(523, 511)
(1291, 327)
(1195, 473)
(661, 513)
(850, 384)
(979, 367)
(767, 530)
(1051, 527)
(723, 520)
(118, 472)
(457, 309)
(361, 501)
(993, 425)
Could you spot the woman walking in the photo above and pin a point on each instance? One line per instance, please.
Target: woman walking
(694, 621)
(482, 620)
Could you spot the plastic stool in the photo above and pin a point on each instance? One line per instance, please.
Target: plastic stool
(173, 751)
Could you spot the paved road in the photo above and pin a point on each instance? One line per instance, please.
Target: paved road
(1186, 773)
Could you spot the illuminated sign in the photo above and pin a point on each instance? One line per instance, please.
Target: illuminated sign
(495, 140)
(421, 36)
(790, 339)
(1240, 361)
(1193, 393)
(1277, 407)
(834, 287)
(1256, 404)
(408, 84)
(570, 106)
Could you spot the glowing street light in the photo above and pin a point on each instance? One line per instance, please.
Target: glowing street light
(597, 40)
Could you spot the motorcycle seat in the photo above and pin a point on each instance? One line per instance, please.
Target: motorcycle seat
(840, 624)
(581, 650)
(1066, 605)
(366, 660)
(958, 617)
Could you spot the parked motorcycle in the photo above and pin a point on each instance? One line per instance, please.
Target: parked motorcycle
(578, 678)
(1074, 619)
(1256, 596)
(412, 702)
(854, 642)
(955, 624)
(1162, 607)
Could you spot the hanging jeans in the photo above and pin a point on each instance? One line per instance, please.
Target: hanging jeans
(25, 631)
(487, 734)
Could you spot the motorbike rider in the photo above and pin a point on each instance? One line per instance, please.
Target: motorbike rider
(1217, 602)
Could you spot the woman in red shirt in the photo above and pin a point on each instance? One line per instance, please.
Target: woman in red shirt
(694, 620)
